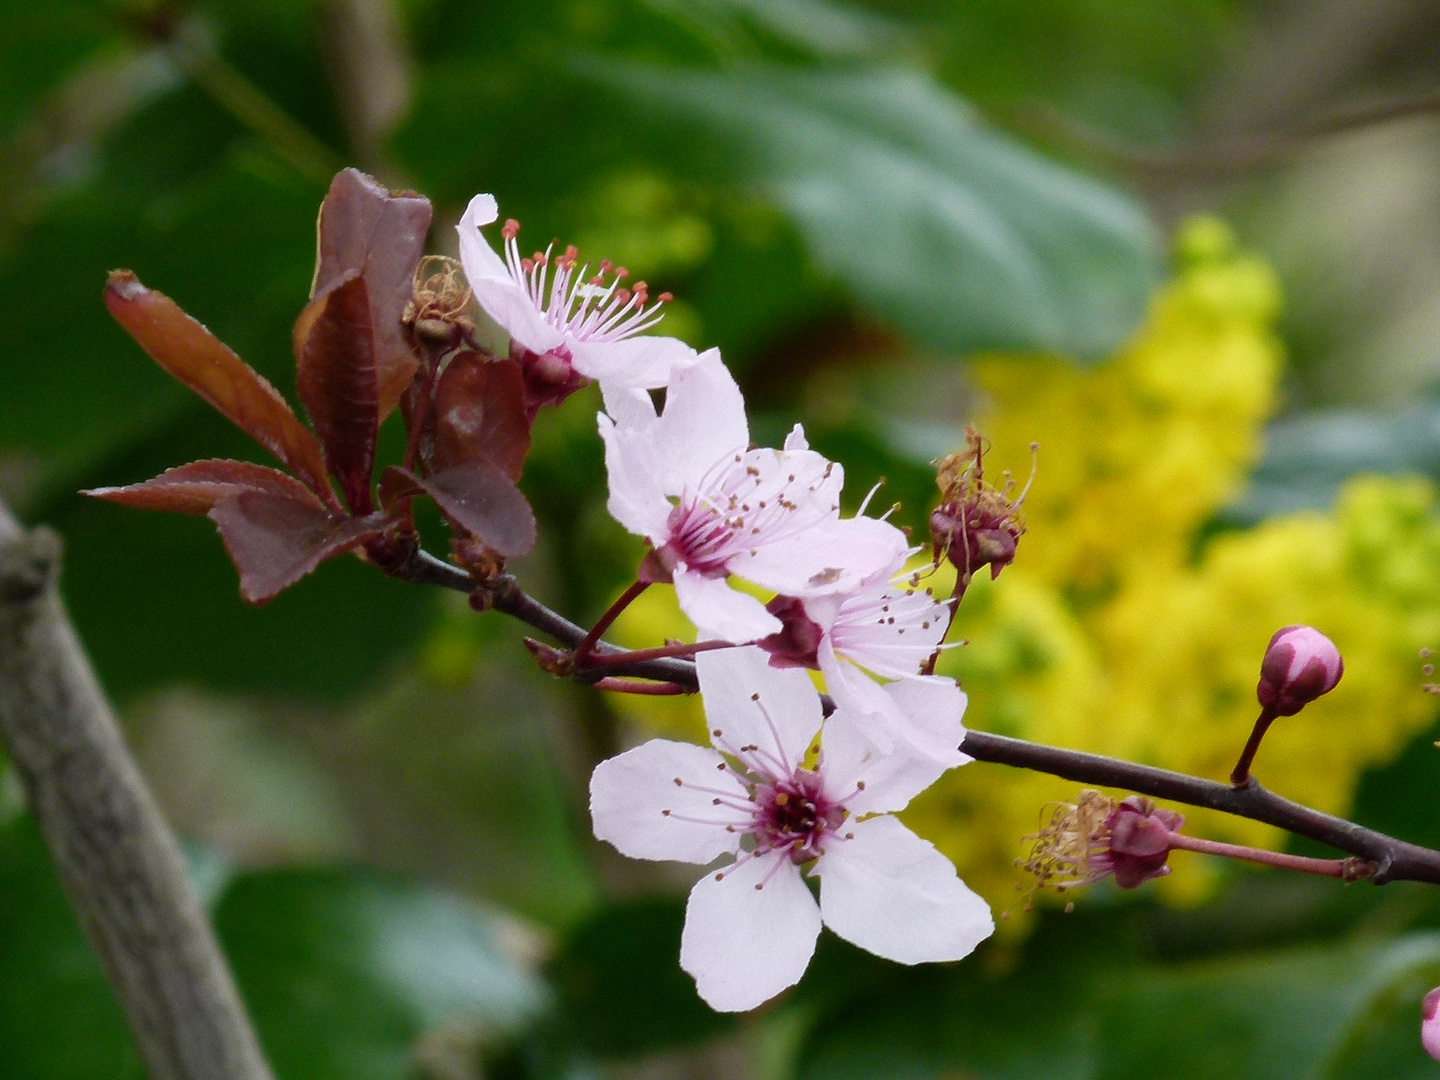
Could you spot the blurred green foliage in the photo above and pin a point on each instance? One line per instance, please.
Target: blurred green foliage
(842, 199)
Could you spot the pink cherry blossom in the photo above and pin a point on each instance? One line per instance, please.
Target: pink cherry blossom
(1430, 1023)
(887, 627)
(751, 925)
(687, 481)
(562, 313)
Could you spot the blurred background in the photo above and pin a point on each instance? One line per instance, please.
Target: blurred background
(1192, 249)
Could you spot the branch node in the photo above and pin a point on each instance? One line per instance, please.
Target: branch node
(29, 565)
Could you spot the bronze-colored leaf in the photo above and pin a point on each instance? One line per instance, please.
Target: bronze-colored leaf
(482, 500)
(380, 233)
(274, 541)
(480, 415)
(334, 351)
(192, 354)
(196, 488)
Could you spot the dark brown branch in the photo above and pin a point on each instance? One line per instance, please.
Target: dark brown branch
(1395, 860)
(505, 595)
(117, 860)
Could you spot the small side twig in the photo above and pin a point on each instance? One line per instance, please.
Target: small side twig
(1218, 158)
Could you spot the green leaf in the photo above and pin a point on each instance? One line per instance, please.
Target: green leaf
(936, 1022)
(344, 969)
(957, 234)
(1089, 1002)
(1287, 1016)
(58, 1019)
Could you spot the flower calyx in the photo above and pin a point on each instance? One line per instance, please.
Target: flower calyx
(1096, 837)
(976, 524)
(797, 643)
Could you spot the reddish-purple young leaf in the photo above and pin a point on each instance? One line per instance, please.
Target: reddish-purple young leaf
(202, 362)
(380, 233)
(482, 500)
(274, 540)
(480, 415)
(334, 351)
(195, 488)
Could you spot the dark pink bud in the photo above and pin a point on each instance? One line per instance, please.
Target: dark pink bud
(1300, 665)
(1140, 840)
(797, 643)
(1430, 1023)
(976, 524)
(550, 377)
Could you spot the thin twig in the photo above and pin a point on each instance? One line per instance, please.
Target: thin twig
(1218, 158)
(1395, 860)
(250, 105)
(117, 859)
(1350, 869)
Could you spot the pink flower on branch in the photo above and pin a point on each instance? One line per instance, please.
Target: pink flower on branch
(569, 324)
(751, 926)
(886, 627)
(687, 481)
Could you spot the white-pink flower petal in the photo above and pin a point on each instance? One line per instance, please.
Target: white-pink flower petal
(668, 801)
(643, 362)
(828, 556)
(637, 496)
(749, 932)
(703, 423)
(719, 612)
(752, 704)
(873, 780)
(928, 722)
(549, 302)
(891, 893)
(495, 290)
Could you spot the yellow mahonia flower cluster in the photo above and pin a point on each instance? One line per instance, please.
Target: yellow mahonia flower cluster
(1120, 629)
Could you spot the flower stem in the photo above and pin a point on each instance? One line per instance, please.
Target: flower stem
(1349, 869)
(581, 655)
(641, 686)
(1240, 775)
(632, 656)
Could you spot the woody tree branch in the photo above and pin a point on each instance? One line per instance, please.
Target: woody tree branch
(117, 859)
(1393, 860)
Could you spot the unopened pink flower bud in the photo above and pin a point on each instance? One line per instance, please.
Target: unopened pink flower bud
(1300, 665)
(1430, 1023)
